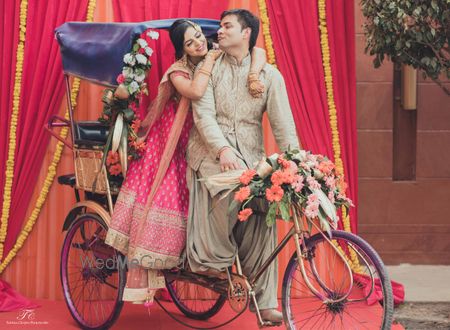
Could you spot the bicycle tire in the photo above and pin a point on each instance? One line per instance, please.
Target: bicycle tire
(369, 252)
(69, 290)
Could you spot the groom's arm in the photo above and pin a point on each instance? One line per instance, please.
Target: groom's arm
(204, 111)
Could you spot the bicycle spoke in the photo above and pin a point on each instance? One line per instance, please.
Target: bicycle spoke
(326, 274)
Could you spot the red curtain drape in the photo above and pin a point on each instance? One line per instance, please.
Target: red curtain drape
(145, 10)
(9, 36)
(40, 97)
(41, 94)
(341, 31)
(296, 41)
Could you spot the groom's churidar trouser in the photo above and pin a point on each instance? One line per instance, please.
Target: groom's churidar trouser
(214, 236)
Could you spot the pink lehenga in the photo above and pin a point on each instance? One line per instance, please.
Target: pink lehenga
(148, 224)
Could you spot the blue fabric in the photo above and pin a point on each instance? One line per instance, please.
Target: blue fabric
(94, 51)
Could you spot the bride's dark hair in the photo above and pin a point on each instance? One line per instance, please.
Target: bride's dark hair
(176, 33)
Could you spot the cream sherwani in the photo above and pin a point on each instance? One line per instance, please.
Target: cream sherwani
(227, 115)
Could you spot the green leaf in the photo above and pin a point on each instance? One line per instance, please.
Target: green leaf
(271, 214)
(284, 208)
(128, 115)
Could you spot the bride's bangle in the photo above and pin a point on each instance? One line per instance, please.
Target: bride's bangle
(204, 72)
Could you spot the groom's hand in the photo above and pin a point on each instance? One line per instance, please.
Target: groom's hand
(228, 160)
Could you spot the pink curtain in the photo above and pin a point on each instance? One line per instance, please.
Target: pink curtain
(296, 41)
(163, 55)
(42, 90)
(41, 96)
(9, 37)
(341, 31)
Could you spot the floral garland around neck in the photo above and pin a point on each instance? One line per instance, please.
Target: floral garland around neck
(120, 105)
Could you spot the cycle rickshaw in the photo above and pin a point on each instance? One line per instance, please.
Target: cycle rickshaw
(93, 274)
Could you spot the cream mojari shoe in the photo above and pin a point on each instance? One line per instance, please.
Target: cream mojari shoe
(272, 315)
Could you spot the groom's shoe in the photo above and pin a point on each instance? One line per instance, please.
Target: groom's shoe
(272, 316)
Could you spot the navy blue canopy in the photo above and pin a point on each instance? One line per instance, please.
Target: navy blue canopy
(94, 51)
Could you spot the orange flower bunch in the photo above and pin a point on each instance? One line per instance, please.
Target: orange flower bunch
(274, 194)
(245, 214)
(326, 167)
(295, 177)
(247, 176)
(135, 125)
(112, 158)
(138, 146)
(113, 163)
(242, 194)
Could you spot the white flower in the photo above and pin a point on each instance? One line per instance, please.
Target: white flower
(139, 77)
(148, 51)
(153, 34)
(128, 72)
(142, 42)
(129, 59)
(133, 87)
(301, 156)
(141, 59)
(318, 174)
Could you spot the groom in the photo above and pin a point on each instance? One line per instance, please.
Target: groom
(228, 135)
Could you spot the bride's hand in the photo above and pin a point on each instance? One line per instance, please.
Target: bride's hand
(214, 53)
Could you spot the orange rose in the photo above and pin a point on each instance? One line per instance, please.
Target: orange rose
(274, 194)
(242, 194)
(244, 214)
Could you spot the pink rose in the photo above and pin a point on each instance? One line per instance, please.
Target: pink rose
(120, 78)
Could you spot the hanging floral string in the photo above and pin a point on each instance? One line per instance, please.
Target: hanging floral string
(266, 32)
(324, 42)
(52, 168)
(9, 173)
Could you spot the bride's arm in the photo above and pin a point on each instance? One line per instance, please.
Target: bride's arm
(258, 60)
(255, 86)
(195, 88)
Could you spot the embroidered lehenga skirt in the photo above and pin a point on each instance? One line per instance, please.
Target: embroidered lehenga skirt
(163, 238)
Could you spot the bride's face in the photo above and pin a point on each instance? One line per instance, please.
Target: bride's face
(194, 43)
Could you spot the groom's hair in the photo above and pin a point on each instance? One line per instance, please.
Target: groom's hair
(247, 20)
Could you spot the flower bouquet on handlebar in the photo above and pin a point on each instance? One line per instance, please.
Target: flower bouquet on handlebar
(295, 180)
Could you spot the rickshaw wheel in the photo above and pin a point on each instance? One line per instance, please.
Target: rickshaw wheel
(93, 274)
(195, 301)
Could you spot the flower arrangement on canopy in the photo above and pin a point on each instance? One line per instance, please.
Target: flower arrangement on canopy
(121, 103)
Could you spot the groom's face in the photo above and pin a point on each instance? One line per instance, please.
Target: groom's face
(231, 33)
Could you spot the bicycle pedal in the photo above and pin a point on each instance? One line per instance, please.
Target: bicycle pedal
(267, 324)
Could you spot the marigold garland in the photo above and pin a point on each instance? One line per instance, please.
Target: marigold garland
(54, 164)
(330, 95)
(332, 110)
(266, 32)
(9, 173)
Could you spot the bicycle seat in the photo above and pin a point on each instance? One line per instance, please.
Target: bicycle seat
(90, 133)
(68, 179)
